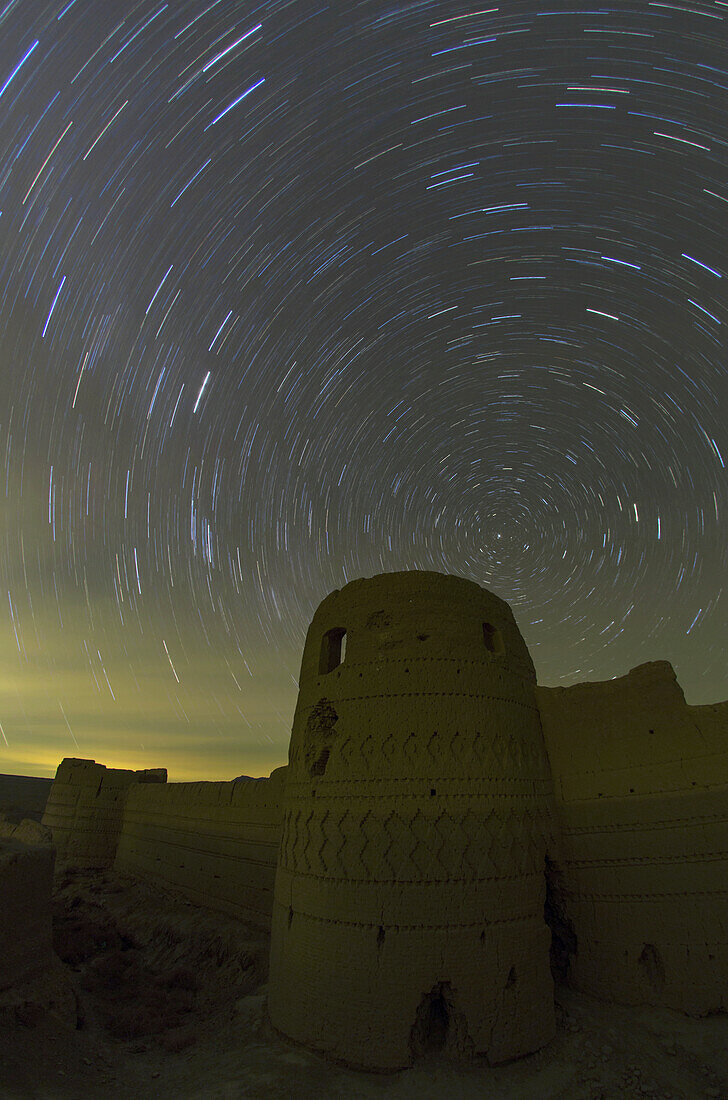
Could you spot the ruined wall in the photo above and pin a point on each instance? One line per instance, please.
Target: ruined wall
(711, 768)
(409, 899)
(642, 788)
(217, 843)
(415, 820)
(26, 878)
(86, 806)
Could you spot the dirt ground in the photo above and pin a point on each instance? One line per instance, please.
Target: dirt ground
(170, 1001)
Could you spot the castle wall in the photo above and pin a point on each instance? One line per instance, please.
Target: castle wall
(409, 899)
(399, 860)
(216, 843)
(711, 767)
(85, 809)
(642, 790)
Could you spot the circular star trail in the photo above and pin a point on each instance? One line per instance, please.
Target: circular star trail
(296, 292)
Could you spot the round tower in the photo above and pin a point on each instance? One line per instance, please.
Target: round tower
(409, 896)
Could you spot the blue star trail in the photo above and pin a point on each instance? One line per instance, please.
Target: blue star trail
(296, 292)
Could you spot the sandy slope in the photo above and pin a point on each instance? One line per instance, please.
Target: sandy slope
(171, 1003)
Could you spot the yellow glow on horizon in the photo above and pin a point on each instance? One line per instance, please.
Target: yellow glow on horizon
(37, 764)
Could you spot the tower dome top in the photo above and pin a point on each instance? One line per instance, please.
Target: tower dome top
(415, 614)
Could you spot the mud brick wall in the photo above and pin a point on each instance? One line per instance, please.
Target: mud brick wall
(216, 843)
(642, 789)
(85, 809)
(442, 824)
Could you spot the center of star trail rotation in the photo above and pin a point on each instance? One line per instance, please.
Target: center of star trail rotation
(296, 292)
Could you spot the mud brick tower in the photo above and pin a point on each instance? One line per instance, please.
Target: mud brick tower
(418, 811)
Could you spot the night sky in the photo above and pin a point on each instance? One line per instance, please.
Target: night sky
(297, 292)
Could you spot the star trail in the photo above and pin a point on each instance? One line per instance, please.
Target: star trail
(296, 292)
